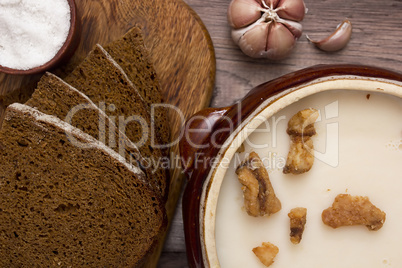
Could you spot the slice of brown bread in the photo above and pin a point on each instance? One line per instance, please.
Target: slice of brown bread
(55, 97)
(65, 206)
(105, 83)
(131, 54)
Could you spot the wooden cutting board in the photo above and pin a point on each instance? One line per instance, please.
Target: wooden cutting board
(180, 47)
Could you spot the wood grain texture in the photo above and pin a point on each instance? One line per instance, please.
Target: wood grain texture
(180, 48)
(376, 41)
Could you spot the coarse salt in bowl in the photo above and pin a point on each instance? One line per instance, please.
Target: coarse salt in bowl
(36, 35)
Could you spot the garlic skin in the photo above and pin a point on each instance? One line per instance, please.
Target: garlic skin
(243, 12)
(266, 28)
(337, 40)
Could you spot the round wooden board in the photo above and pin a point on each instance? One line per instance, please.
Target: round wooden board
(180, 47)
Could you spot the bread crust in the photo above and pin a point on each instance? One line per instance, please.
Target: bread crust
(62, 205)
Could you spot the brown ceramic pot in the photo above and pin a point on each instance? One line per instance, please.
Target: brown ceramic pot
(214, 133)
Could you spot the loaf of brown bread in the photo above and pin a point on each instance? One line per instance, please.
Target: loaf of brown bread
(105, 83)
(131, 54)
(55, 97)
(65, 206)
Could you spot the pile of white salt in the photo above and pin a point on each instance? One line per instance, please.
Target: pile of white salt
(32, 31)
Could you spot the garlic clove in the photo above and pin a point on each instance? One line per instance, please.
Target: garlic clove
(337, 40)
(238, 33)
(291, 9)
(254, 41)
(272, 4)
(294, 27)
(280, 41)
(243, 12)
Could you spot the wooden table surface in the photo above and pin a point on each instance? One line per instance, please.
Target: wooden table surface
(376, 41)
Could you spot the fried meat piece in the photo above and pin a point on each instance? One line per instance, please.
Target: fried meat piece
(353, 210)
(266, 253)
(302, 123)
(298, 217)
(301, 155)
(259, 195)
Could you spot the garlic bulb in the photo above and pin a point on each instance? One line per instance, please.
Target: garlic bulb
(266, 28)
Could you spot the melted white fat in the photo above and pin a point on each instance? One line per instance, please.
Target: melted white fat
(361, 154)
